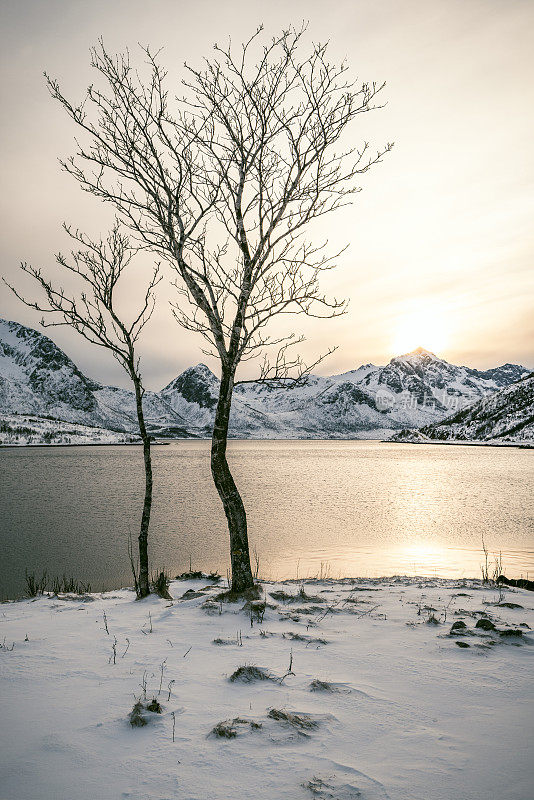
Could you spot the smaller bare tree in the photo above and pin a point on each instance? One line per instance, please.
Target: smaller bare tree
(94, 315)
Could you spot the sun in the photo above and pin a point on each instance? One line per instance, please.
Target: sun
(421, 327)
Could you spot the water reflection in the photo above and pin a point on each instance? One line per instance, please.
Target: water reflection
(362, 508)
(421, 560)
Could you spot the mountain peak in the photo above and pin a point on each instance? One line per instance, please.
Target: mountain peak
(197, 385)
(420, 351)
(419, 356)
(202, 369)
(39, 375)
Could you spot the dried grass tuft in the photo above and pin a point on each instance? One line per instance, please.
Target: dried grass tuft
(248, 673)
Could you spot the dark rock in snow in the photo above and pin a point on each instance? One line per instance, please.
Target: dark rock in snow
(521, 583)
(485, 625)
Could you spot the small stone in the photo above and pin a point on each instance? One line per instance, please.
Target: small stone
(485, 624)
(462, 644)
(511, 632)
(459, 625)
(191, 593)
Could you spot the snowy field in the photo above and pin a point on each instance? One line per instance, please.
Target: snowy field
(381, 700)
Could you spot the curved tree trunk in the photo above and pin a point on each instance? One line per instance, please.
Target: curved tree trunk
(228, 492)
(144, 584)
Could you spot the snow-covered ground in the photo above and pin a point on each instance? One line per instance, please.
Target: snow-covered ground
(25, 429)
(403, 711)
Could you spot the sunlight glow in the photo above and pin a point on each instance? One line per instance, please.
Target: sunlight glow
(421, 327)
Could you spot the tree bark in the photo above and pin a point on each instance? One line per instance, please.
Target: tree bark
(228, 492)
(144, 583)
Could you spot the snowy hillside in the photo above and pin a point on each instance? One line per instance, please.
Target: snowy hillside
(38, 379)
(413, 390)
(507, 415)
(23, 429)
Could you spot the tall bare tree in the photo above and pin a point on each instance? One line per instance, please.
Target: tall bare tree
(94, 315)
(222, 183)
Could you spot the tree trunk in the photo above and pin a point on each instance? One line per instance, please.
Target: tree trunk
(231, 499)
(144, 584)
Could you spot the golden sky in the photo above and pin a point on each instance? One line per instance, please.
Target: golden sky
(441, 237)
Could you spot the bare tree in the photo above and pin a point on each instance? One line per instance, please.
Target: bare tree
(222, 186)
(100, 264)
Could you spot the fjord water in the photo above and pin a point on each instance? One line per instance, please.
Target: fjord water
(336, 508)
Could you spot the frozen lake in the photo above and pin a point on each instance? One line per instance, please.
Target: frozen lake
(336, 508)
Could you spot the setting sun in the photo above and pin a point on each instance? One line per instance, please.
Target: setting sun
(421, 327)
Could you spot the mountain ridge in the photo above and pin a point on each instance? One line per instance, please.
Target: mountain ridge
(411, 391)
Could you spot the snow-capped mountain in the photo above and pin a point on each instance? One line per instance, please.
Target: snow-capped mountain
(193, 395)
(413, 390)
(506, 415)
(38, 378)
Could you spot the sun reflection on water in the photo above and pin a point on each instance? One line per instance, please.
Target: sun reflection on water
(420, 559)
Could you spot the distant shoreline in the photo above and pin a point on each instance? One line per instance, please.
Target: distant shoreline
(467, 443)
(470, 443)
(79, 444)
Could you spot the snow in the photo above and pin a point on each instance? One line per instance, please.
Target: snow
(416, 355)
(410, 437)
(24, 429)
(414, 716)
(413, 390)
(506, 416)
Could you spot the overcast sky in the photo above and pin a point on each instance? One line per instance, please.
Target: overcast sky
(441, 237)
